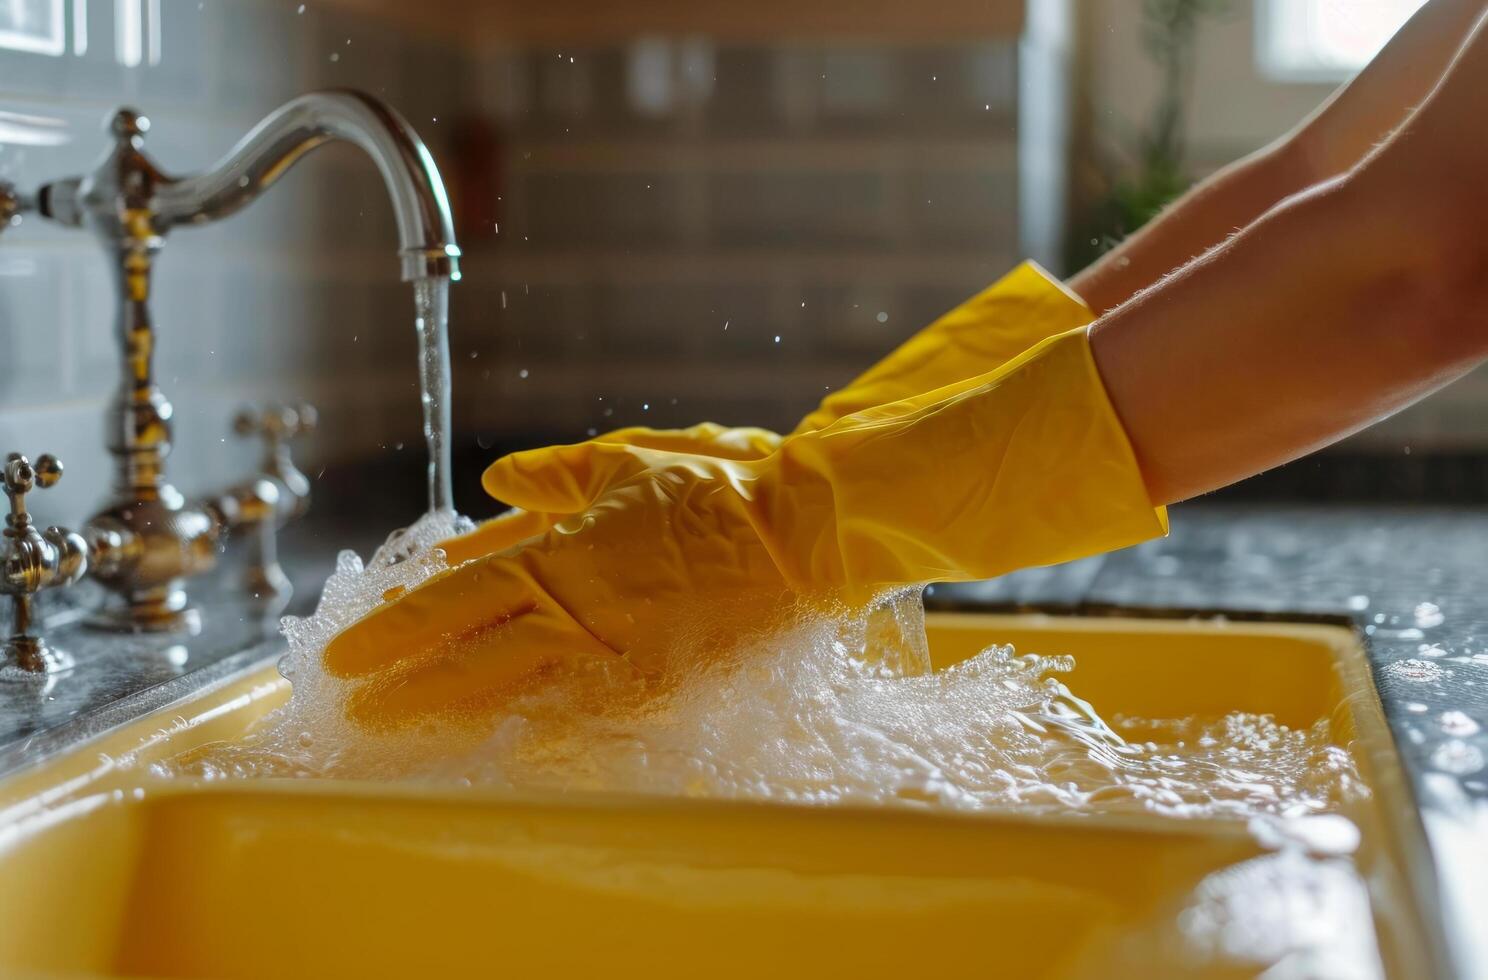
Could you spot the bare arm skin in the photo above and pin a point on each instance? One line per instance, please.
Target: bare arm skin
(1327, 143)
(1342, 304)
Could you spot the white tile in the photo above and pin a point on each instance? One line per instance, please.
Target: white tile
(32, 340)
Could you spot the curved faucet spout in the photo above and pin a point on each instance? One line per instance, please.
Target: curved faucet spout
(426, 234)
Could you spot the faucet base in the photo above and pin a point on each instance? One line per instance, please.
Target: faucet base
(34, 655)
(163, 611)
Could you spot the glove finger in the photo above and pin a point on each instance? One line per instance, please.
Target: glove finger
(560, 479)
(569, 479)
(467, 679)
(498, 534)
(704, 439)
(452, 605)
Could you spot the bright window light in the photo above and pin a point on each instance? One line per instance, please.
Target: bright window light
(1324, 40)
(32, 25)
(129, 37)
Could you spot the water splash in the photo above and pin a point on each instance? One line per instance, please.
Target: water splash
(431, 321)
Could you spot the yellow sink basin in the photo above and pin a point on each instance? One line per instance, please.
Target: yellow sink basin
(109, 871)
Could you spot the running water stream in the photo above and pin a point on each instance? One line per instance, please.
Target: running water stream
(431, 321)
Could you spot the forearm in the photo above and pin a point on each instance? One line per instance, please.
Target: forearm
(1326, 144)
(1217, 207)
(1341, 305)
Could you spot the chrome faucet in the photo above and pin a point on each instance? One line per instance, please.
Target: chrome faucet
(148, 539)
(32, 560)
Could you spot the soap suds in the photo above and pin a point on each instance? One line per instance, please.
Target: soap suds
(833, 709)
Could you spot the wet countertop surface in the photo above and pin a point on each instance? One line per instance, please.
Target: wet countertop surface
(1411, 579)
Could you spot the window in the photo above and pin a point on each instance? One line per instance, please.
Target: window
(1324, 40)
(32, 25)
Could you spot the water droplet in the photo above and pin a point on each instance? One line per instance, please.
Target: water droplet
(523, 374)
(1428, 614)
(882, 317)
(777, 338)
(335, 56)
(646, 406)
(1415, 671)
(1457, 757)
(1459, 723)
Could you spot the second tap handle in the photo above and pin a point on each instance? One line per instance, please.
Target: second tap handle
(277, 425)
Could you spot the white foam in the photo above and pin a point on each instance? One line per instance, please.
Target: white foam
(834, 709)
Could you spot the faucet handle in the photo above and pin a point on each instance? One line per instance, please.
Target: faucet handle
(12, 203)
(277, 425)
(31, 561)
(279, 493)
(21, 477)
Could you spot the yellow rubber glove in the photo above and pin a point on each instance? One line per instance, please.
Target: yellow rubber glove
(1008, 317)
(1024, 465)
(605, 471)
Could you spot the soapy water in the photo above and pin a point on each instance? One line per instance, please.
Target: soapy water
(834, 709)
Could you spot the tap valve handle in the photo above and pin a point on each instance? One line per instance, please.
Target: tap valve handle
(32, 560)
(11, 205)
(278, 494)
(277, 425)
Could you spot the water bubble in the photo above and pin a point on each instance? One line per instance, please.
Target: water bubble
(1458, 723)
(1357, 603)
(882, 317)
(1458, 757)
(1428, 614)
(1415, 671)
(523, 374)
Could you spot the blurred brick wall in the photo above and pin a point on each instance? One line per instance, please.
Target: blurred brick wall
(687, 230)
